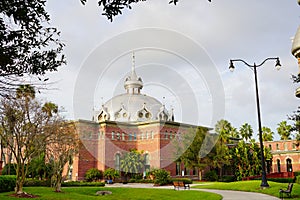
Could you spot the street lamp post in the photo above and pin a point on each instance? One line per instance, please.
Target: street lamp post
(264, 183)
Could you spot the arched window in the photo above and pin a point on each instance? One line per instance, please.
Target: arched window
(142, 136)
(134, 136)
(117, 161)
(152, 135)
(278, 166)
(123, 136)
(118, 136)
(130, 136)
(112, 135)
(166, 135)
(178, 168)
(289, 165)
(147, 135)
(171, 135)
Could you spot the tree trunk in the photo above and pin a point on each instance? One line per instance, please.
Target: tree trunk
(200, 174)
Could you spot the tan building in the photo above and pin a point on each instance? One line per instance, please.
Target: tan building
(286, 156)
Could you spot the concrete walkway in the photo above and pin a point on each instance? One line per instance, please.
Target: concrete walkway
(226, 194)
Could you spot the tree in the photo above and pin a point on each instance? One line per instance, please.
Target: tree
(132, 162)
(295, 118)
(28, 45)
(221, 152)
(267, 134)
(22, 124)
(62, 145)
(246, 131)
(114, 7)
(284, 130)
(188, 149)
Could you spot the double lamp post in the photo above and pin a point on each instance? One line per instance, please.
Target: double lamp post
(264, 183)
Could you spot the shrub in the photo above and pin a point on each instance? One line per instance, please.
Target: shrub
(140, 181)
(82, 183)
(11, 168)
(228, 178)
(111, 174)
(36, 182)
(184, 180)
(298, 179)
(162, 177)
(211, 176)
(93, 174)
(7, 183)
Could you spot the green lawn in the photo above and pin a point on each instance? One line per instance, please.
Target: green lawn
(252, 186)
(83, 193)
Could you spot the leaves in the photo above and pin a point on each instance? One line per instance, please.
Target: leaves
(28, 45)
(112, 8)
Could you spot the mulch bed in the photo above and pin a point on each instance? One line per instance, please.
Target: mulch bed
(24, 195)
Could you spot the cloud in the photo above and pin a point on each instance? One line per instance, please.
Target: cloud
(251, 30)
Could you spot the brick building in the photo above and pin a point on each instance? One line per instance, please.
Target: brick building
(286, 156)
(130, 121)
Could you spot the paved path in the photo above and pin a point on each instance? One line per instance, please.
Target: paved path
(227, 194)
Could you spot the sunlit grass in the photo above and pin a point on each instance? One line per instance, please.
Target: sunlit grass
(83, 193)
(252, 186)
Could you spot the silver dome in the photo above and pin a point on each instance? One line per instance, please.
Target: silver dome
(133, 106)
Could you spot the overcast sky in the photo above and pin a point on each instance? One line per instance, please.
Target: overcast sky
(182, 54)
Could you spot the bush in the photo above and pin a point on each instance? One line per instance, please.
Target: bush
(82, 183)
(162, 177)
(93, 174)
(211, 176)
(184, 180)
(7, 183)
(132, 180)
(298, 179)
(9, 167)
(228, 178)
(111, 174)
(36, 183)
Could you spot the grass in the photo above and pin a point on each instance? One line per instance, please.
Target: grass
(252, 186)
(73, 193)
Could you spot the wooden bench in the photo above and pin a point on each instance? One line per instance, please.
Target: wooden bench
(180, 184)
(288, 191)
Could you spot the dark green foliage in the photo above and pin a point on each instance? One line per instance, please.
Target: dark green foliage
(132, 180)
(298, 179)
(162, 177)
(115, 7)
(36, 182)
(28, 45)
(184, 180)
(7, 183)
(111, 174)
(81, 183)
(93, 174)
(228, 178)
(9, 169)
(211, 176)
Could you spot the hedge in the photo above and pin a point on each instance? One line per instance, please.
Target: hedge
(184, 180)
(82, 183)
(7, 183)
(36, 182)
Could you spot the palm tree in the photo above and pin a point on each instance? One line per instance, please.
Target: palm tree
(223, 128)
(132, 162)
(284, 130)
(50, 108)
(246, 131)
(267, 134)
(25, 91)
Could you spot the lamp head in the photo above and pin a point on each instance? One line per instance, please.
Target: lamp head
(231, 67)
(277, 65)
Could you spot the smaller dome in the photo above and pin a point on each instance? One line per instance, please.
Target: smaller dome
(296, 44)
